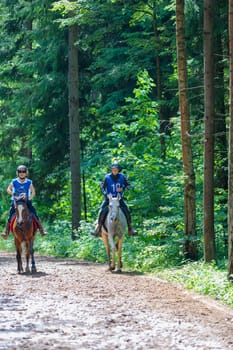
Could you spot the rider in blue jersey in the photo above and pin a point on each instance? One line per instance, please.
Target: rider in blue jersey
(114, 183)
(22, 186)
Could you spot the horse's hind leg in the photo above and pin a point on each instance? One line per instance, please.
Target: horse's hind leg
(105, 240)
(32, 257)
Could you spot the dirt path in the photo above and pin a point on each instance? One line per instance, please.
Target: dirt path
(73, 305)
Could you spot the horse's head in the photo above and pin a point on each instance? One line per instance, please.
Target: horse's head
(114, 207)
(21, 211)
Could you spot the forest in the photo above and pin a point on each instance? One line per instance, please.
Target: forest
(145, 83)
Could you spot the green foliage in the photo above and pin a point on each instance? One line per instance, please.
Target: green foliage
(207, 279)
(59, 243)
(34, 100)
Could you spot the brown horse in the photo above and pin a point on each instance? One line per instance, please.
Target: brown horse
(24, 234)
(112, 232)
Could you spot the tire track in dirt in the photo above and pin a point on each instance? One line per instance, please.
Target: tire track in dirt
(73, 305)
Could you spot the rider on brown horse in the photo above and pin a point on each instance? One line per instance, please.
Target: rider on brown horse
(18, 186)
(114, 183)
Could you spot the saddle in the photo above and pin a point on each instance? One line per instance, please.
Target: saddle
(35, 224)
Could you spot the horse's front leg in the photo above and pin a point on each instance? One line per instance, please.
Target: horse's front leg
(32, 257)
(113, 249)
(27, 247)
(106, 244)
(19, 259)
(113, 264)
(119, 250)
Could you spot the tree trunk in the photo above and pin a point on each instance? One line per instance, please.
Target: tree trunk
(189, 175)
(74, 130)
(208, 225)
(230, 150)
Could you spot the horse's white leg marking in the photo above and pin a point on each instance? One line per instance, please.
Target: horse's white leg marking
(20, 210)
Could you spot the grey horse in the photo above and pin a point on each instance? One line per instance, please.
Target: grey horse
(112, 232)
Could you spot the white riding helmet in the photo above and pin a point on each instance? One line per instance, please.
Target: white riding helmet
(22, 168)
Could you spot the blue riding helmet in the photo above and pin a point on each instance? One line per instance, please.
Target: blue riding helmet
(116, 166)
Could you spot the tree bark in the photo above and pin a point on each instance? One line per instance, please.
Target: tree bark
(189, 174)
(230, 149)
(208, 225)
(74, 130)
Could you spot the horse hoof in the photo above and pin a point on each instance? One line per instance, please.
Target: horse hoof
(33, 270)
(111, 269)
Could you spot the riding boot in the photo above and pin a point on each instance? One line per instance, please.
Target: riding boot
(7, 231)
(96, 233)
(131, 231)
(42, 231)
